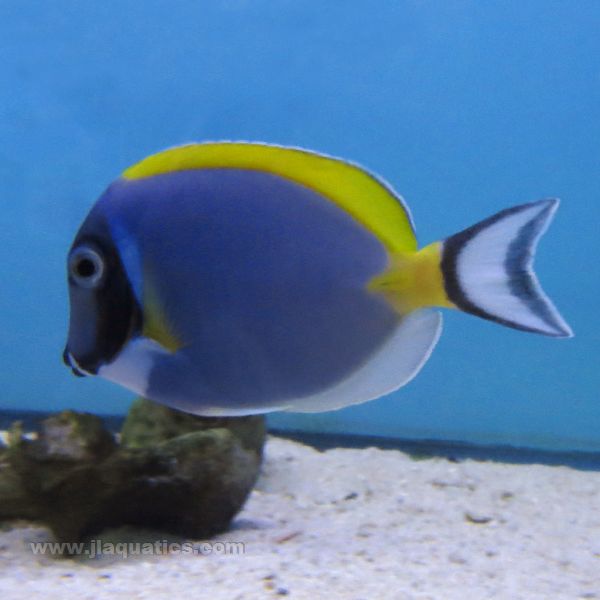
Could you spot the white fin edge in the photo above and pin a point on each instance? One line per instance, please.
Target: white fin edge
(394, 365)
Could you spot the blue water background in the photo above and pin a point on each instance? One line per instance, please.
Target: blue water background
(465, 107)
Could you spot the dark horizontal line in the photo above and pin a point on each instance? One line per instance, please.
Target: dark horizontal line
(450, 449)
(418, 449)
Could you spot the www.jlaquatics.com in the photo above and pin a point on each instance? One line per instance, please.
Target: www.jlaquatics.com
(98, 547)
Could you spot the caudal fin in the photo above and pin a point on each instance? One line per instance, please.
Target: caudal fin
(488, 270)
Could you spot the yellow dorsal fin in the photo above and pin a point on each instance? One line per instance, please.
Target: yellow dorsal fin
(413, 280)
(368, 199)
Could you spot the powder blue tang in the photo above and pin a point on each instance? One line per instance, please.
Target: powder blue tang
(237, 278)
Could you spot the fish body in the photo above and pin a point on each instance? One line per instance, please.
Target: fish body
(238, 278)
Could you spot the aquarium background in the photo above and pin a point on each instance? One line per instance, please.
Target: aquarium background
(465, 107)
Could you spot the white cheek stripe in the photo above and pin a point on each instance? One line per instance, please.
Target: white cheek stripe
(133, 365)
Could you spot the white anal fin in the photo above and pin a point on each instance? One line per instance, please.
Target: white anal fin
(393, 366)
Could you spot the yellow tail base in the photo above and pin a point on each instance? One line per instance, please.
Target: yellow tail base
(413, 280)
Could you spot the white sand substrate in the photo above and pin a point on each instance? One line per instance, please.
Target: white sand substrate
(358, 524)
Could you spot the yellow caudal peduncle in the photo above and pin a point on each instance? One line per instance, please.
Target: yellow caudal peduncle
(413, 280)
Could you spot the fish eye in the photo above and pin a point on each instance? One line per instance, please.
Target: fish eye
(86, 267)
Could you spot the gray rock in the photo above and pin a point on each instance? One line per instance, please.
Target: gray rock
(149, 423)
(172, 472)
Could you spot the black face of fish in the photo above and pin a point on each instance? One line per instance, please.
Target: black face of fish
(104, 312)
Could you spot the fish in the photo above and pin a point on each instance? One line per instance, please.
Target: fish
(238, 278)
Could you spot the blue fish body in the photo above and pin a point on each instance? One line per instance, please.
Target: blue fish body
(266, 284)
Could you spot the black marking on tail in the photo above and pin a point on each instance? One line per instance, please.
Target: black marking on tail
(521, 281)
(452, 248)
(516, 265)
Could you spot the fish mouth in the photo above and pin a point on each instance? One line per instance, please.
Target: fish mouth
(70, 361)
